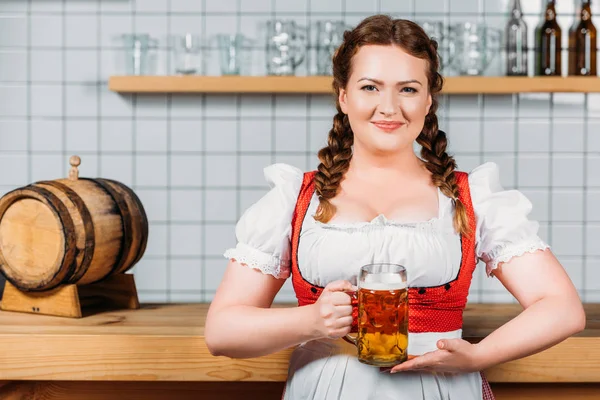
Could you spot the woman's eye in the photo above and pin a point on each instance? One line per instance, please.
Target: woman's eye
(409, 90)
(369, 88)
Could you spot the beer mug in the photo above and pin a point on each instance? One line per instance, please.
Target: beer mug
(330, 35)
(446, 48)
(286, 47)
(382, 338)
(476, 46)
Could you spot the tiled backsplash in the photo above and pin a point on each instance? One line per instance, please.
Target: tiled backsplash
(196, 160)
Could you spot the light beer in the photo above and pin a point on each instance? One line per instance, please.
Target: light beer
(382, 323)
(382, 297)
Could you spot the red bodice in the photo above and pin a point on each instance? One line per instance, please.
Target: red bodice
(431, 309)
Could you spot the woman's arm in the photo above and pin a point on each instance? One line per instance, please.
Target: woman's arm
(241, 324)
(552, 312)
(552, 309)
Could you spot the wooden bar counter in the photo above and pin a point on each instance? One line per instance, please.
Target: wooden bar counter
(158, 352)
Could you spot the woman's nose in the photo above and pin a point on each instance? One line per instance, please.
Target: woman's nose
(389, 104)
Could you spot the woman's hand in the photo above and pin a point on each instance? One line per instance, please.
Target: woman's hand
(454, 356)
(333, 310)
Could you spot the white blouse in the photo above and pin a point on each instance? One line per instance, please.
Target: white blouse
(429, 250)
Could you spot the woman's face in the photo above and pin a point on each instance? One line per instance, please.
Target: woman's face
(386, 99)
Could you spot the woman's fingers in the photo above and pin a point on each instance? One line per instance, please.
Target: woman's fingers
(340, 286)
(340, 299)
(343, 322)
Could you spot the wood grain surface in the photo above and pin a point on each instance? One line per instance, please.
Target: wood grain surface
(322, 84)
(117, 291)
(65, 390)
(165, 343)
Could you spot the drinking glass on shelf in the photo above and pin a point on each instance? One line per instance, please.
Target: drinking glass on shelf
(137, 53)
(437, 31)
(286, 46)
(329, 37)
(233, 50)
(187, 53)
(476, 46)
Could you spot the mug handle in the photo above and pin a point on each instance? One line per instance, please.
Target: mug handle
(490, 53)
(300, 45)
(352, 339)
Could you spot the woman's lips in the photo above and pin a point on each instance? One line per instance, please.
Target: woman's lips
(388, 126)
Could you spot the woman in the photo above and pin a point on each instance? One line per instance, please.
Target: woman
(374, 200)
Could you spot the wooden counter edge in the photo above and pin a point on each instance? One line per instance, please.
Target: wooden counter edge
(77, 390)
(186, 358)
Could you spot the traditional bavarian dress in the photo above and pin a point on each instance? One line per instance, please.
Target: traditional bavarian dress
(278, 236)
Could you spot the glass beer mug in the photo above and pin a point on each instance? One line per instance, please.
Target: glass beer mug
(382, 338)
(286, 47)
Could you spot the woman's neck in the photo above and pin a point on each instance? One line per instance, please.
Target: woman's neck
(385, 168)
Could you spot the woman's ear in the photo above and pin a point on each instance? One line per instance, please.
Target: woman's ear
(343, 99)
(429, 103)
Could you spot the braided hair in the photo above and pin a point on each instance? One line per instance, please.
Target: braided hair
(335, 157)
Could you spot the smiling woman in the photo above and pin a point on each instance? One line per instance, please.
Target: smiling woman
(386, 108)
(376, 102)
(373, 200)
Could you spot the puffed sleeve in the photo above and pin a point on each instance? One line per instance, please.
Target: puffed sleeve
(503, 228)
(264, 230)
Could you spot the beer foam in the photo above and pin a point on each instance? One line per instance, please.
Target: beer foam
(390, 281)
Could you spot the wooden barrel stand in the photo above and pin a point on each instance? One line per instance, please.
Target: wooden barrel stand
(75, 301)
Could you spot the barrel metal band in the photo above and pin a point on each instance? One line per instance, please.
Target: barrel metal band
(144, 222)
(125, 224)
(88, 225)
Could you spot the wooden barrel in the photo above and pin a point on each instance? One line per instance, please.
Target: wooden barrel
(74, 230)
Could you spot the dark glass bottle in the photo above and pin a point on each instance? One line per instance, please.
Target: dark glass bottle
(547, 37)
(516, 42)
(582, 43)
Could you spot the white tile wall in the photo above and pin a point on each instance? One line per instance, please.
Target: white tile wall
(10, 137)
(45, 167)
(81, 100)
(13, 65)
(82, 136)
(117, 167)
(45, 31)
(186, 136)
(46, 66)
(196, 161)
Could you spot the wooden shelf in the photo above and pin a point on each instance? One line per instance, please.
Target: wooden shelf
(322, 84)
(220, 84)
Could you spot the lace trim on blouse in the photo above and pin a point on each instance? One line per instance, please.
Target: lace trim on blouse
(507, 251)
(266, 263)
(381, 222)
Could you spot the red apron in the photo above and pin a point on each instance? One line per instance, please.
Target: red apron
(449, 299)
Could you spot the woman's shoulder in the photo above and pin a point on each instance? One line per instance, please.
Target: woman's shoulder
(484, 180)
(285, 181)
(488, 170)
(263, 230)
(487, 192)
(504, 229)
(283, 174)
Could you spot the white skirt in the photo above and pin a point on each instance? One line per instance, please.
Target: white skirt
(330, 370)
